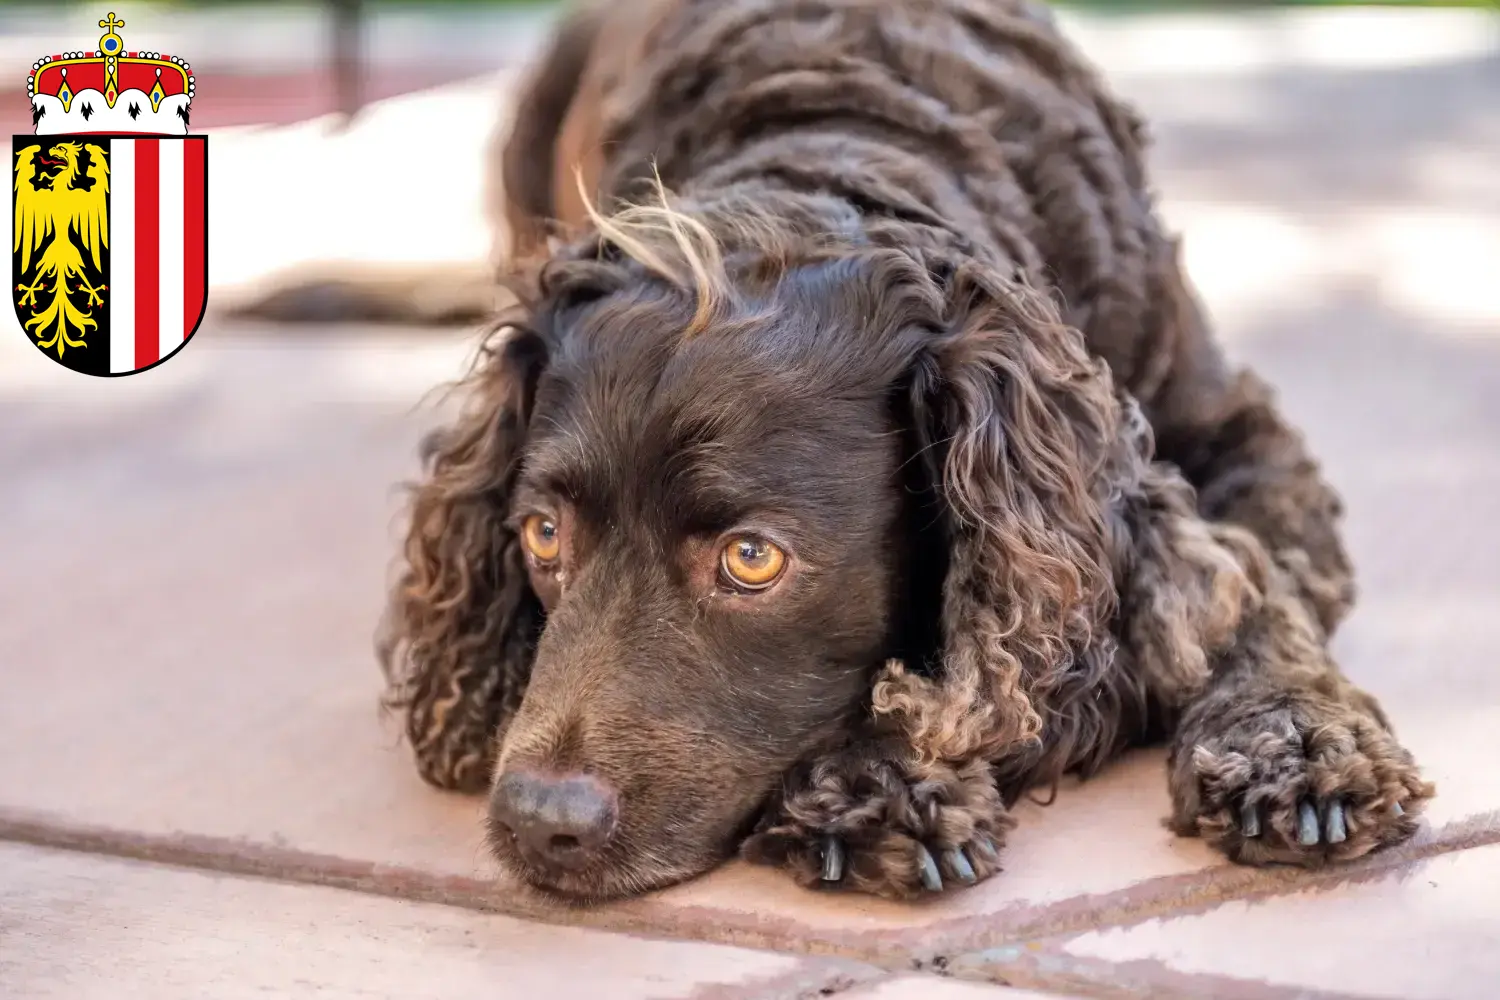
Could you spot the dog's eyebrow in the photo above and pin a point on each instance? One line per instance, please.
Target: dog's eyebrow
(705, 506)
(550, 475)
(714, 486)
(531, 497)
(558, 463)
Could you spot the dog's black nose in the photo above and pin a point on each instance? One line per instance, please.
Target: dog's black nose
(561, 820)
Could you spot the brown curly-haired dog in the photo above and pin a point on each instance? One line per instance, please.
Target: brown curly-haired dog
(886, 469)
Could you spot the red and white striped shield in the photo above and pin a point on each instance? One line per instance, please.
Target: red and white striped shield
(110, 255)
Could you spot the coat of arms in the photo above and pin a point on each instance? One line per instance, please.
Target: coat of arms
(110, 249)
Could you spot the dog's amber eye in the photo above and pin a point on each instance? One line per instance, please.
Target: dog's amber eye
(542, 538)
(752, 563)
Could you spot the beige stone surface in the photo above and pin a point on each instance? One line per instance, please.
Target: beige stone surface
(75, 927)
(200, 559)
(1428, 932)
(931, 988)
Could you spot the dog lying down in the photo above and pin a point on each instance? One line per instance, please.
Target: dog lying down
(883, 470)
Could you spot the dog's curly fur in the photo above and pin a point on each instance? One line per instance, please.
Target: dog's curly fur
(1088, 529)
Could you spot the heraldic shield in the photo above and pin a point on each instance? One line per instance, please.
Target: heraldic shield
(110, 248)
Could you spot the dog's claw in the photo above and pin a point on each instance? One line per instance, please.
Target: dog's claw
(1307, 824)
(959, 862)
(986, 848)
(1396, 810)
(1334, 826)
(930, 877)
(833, 859)
(1249, 821)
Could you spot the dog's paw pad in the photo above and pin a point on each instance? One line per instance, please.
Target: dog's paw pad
(1305, 787)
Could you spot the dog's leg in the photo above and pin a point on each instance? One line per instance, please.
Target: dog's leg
(1276, 756)
(870, 816)
(1281, 758)
(1223, 429)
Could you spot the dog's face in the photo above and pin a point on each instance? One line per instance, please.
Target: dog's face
(717, 528)
(693, 536)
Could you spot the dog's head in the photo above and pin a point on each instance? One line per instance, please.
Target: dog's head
(703, 498)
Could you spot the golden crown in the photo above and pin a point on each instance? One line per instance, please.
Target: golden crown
(110, 89)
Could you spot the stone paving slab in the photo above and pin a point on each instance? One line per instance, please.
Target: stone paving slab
(214, 676)
(1428, 931)
(928, 988)
(76, 927)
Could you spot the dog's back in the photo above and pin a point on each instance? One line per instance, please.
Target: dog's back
(974, 115)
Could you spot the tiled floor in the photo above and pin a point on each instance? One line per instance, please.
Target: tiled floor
(193, 560)
(88, 927)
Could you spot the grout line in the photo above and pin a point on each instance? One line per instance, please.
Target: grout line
(246, 858)
(1173, 896)
(1039, 960)
(1001, 946)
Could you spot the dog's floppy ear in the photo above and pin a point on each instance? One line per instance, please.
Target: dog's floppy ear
(462, 622)
(1015, 422)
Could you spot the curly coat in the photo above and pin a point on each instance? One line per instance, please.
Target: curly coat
(1034, 516)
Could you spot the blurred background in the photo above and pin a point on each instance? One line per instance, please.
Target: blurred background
(1306, 104)
(192, 559)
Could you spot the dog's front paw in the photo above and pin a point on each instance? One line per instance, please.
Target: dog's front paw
(858, 820)
(1306, 783)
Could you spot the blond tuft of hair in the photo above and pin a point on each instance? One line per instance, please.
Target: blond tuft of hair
(671, 244)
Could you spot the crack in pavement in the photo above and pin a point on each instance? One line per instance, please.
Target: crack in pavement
(1019, 945)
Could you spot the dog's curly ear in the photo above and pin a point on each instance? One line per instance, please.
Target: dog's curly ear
(462, 622)
(1015, 422)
